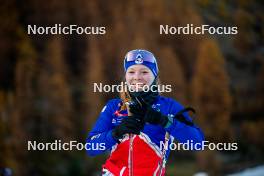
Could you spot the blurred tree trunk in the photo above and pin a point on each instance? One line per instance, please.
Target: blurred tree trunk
(55, 111)
(55, 95)
(211, 97)
(24, 120)
(170, 68)
(94, 74)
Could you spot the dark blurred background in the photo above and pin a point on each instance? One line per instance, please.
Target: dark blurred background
(46, 81)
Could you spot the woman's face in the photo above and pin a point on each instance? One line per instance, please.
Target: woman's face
(138, 76)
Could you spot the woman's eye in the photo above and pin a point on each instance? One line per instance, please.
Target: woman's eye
(145, 72)
(131, 72)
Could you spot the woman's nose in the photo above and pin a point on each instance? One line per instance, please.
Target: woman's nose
(137, 76)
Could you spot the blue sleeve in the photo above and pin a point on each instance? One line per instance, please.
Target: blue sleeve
(182, 132)
(100, 137)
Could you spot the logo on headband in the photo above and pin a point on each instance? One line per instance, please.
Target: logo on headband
(139, 59)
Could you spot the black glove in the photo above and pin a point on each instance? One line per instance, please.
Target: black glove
(131, 125)
(144, 98)
(155, 117)
(179, 116)
(137, 110)
(141, 101)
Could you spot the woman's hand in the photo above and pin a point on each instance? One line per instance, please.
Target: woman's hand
(129, 125)
(155, 117)
(141, 101)
(137, 110)
(148, 114)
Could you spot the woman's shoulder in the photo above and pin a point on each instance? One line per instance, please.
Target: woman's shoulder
(170, 102)
(113, 103)
(168, 99)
